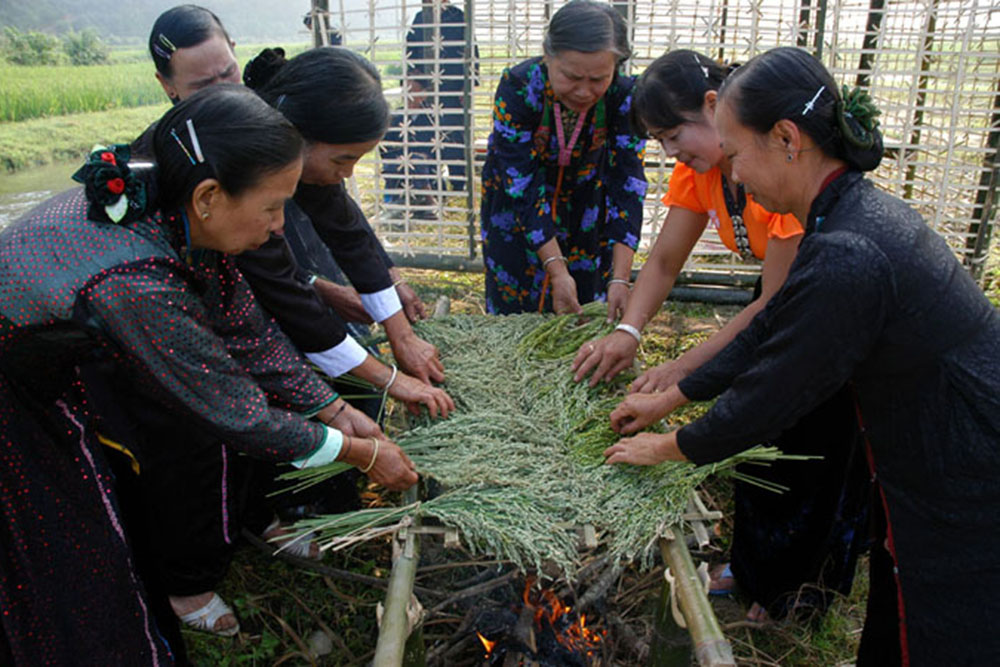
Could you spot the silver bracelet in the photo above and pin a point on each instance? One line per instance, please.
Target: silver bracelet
(399, 282)
(545, 264)
(620, 281)
(392, 378)
(630, 330)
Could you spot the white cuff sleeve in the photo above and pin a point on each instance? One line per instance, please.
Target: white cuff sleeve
(339, 359)
(327, 452)
(383, 304)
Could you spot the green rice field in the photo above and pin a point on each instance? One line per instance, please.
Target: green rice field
(35, 92)
(28, 92)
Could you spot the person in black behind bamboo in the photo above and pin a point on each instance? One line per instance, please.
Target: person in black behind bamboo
(437, 75)
(876, 298)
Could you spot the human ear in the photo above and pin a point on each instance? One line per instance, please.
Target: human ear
(711, 97)
(204, 194)
(787, 136)
(168, 88)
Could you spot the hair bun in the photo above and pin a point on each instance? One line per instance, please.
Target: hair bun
(857, 120)
(114, 191)
(261, 68)
(858, 117)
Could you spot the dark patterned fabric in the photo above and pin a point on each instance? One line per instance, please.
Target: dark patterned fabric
(875, 297)
(343, 228)
(75, 295)
(600, 201)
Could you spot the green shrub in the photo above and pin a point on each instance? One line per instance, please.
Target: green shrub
(85, 48)
(29, 48)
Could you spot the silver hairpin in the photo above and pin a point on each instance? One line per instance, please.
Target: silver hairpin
(194, 141)
(697, 62)
(811, 103)
(281, 99)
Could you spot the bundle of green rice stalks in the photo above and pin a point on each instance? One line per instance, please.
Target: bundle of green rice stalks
(521, 460)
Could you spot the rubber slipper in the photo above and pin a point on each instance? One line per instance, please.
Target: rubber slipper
(726, 573)
(205, 618)
(300, 547)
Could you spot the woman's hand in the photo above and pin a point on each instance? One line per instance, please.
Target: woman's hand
(413, 306)
(659, 378)
(606, 357)
(393, 469)
(418, 358)
(352, 421)
(564, 294)
(345, 300)
(415, 393)
(645, 449)
(638, 411)
(617, 300)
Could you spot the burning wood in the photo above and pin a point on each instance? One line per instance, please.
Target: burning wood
(546, 633)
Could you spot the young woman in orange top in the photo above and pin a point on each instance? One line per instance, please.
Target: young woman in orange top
(813, 532)
(699, 194)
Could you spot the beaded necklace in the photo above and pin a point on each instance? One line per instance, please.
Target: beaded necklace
(735, 209)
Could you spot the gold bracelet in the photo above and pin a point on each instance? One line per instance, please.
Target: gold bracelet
(371, 464)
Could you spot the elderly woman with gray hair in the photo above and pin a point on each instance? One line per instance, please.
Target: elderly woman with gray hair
(563, 182)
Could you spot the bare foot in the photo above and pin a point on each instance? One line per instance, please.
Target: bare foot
(758, 614)
(185, 604)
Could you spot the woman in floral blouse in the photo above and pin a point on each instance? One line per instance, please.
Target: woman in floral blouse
(563, 183)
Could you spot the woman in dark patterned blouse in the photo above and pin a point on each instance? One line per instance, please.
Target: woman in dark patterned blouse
(124, 294)
(563, 183)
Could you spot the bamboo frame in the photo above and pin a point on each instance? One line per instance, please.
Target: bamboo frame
(932, 66)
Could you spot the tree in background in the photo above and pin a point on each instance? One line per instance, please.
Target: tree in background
(29, 48)
(85, 48)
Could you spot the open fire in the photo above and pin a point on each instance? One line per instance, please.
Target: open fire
(546, 633)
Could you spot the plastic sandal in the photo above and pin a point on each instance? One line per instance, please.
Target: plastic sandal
(726, 573)
(300, 547)
(206, 617)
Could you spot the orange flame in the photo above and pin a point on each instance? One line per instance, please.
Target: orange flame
(577, 636)
(487, 644)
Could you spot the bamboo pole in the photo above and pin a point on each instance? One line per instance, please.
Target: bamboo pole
(921, 98)
(873, 27)
(468, 121)
(710, 646)
(391, 648)
(986, 197)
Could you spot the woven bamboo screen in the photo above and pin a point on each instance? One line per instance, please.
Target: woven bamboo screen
(932, 66)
